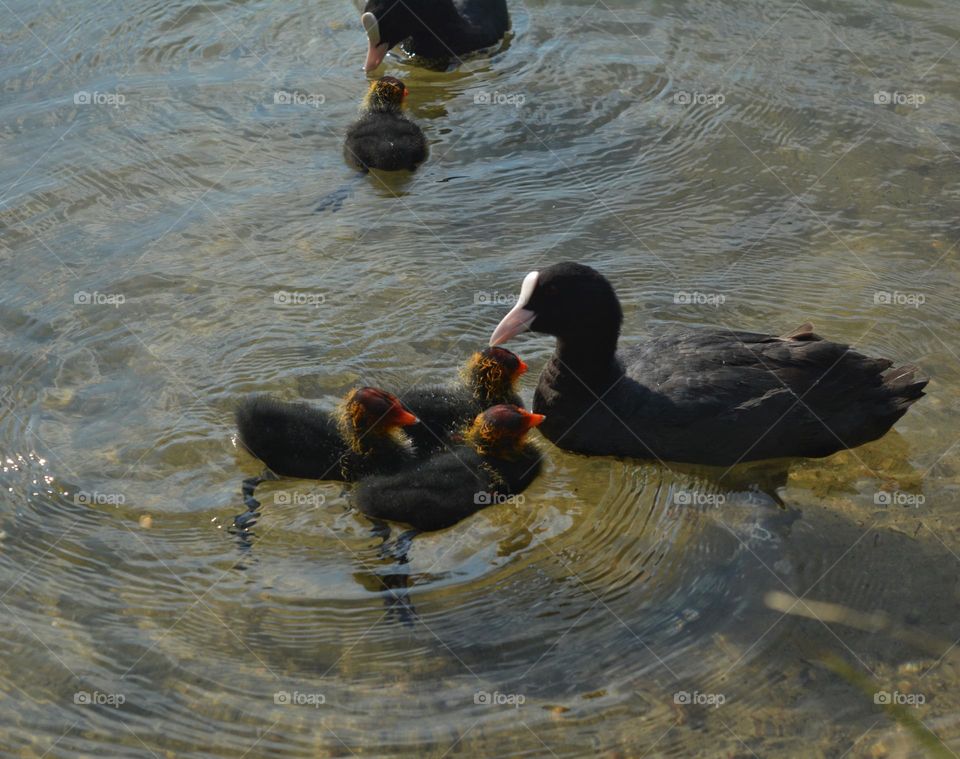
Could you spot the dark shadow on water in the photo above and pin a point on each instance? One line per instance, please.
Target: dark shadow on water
(765, 481)
(396, 580)
(392, 184)
(244, 522)
(333, 201)
(393, 582)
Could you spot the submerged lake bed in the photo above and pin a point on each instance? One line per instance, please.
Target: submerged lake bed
(167, 249)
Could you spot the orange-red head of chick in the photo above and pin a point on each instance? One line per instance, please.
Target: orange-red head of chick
(493, 373)
(368, 413)
(386, 95)
(500, 430)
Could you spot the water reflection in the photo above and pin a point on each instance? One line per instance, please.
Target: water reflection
(605, 597)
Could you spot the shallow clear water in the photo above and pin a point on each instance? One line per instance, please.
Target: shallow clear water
(144, 240)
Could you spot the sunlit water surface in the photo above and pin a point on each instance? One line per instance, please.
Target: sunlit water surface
(147, 238)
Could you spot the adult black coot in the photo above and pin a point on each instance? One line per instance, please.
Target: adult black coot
(383, 137)
(493, 464)
(435, 31)
(489, 378)
(706, 396)
(298, 440)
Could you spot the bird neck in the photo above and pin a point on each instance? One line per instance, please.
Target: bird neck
(375, 103)
(503, 448)
(490, 393)
(374, 449)
(588, 355)
(361, 438)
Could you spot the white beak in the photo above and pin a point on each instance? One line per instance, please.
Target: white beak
(519, 318)
(372, 28)
(376, 50)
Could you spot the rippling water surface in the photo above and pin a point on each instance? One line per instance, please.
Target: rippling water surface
(730, 155)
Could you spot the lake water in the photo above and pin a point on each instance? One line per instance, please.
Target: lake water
(751, 164)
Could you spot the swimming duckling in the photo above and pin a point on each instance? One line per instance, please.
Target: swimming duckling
(494, 463)
(488, 378)
(383, 137)
(299, 440)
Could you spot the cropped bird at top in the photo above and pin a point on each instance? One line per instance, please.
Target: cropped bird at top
(704, 396)
(297, 440)
(493, 463)
(383, 137)
(434, 31)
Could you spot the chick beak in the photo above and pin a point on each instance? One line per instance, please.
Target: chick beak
(521, 369)
(403, 418)
(534, 420)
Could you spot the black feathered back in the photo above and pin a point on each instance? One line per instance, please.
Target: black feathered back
(437, 30)
(299, 440)
(443, 490)
(385, 141)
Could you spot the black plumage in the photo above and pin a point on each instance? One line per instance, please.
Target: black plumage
(435, 31)
(706, 396)
(299, 440)
(383, 137)
(489, 378)
(493, 464)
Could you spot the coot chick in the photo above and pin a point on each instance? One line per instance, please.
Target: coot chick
(298, 440)
(488, 378)
(433, 30)
(383, 138)
(705, 396)
(493, 463)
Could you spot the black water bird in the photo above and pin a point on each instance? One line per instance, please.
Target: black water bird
(705, 396)
(434, 31)
(363, 437)
(383, 137)
(492, 465)
(488, 378)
